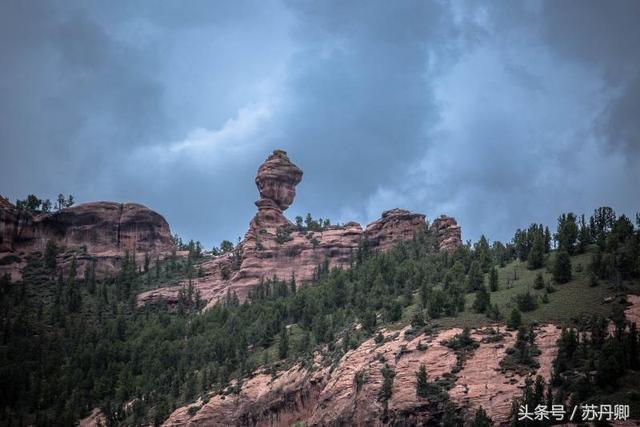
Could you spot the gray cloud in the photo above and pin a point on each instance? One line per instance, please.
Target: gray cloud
(499, 114)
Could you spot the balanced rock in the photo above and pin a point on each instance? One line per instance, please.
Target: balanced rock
(277, 178)
(274, 247)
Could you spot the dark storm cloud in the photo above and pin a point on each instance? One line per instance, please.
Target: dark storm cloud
(500, 113)
(606, 37)
(71, 97)
(361, 101)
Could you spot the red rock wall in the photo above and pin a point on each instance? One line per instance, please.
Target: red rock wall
(322, 396)
(105, 229)
(448, 233)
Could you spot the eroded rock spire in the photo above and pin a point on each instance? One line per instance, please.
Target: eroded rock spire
(277, 178)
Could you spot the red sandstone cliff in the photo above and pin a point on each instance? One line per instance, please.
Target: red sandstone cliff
(330, 395)
(275, 247)
(103, 230)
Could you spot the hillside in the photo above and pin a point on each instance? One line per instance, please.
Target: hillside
(343, 348)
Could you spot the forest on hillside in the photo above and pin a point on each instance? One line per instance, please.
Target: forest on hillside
(70, 344)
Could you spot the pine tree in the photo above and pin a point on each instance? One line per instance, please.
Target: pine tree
(547, 240)
(536, 254)
(538, 283)
(567, 232)
(482, 419)
(584, 236)
(475, 278)
(562, 267)
(387, 383)
(292, 284)
(482, 301)
(50, 254)
(493, 279)
(422, 385)
(515, 319)
(283, 344)
(74, 298)
(481, 249)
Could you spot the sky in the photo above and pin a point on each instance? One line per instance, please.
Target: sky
(498, 113)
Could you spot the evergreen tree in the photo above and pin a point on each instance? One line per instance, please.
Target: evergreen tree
(515, 319)
(283, 344)
(226, 246)
(567, 232)
(521, 244)
(562, 267)
(475, 278)
(482, 419)
(584, 235)
(387, 383)
(74, 298)
(50, 254)
(547, 240)
(482, 253)
(482, 301)
(538, 283)
(422, 385)
(536, 254)
(493, 279)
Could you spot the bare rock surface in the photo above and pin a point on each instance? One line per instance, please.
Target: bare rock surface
(95, 419)
(482, 382)
(448, 232)
(325, 396)
(632, 312)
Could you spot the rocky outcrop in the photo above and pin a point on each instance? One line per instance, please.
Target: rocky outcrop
(448, 233)
(482, 382)
(277, 178)
(275, 247)
(95, 419)
(348, 392)
(394, 226)
(102, 230)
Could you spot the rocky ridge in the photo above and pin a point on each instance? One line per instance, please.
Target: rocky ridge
(100, 231)
(330, 394)
(347, 393)
(275, 247)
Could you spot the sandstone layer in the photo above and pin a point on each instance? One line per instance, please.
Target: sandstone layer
(275, 247)
(101, 231)
(448, 233)
(348, 393)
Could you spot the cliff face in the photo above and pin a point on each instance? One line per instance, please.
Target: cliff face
(275, 247)
(448, 233)
(330, 394)
(104, 230)
(347, 393)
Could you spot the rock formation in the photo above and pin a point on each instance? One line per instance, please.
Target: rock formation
(333, 395)
(103, 231)
(275, 247)
(448, 233)
(277, 178)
